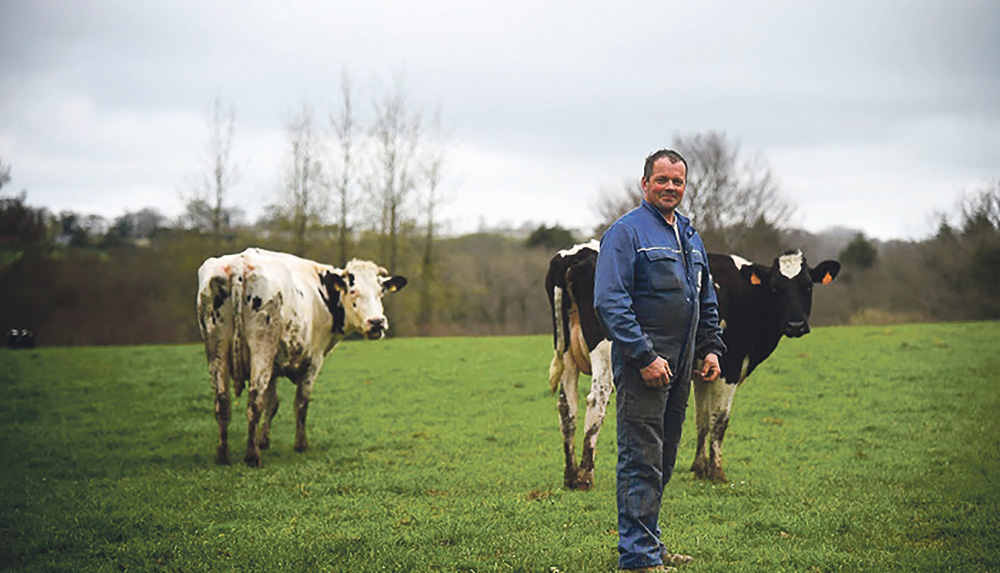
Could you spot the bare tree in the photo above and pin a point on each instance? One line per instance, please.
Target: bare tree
(396, 132)
(301, 203)
(207, 208)
(613, 202)
(346, 129)
(729, 194)
(4, 174)
(965, 254)
(432, 171)
(982, 206)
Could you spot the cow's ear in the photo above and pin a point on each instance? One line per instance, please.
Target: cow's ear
(335, 281)
(755, 275)
(825, 272)
(394, 283)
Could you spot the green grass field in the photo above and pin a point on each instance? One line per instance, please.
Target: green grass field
(852, 449)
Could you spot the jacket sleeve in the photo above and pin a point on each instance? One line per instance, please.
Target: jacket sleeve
(613, 285)
(708, 339)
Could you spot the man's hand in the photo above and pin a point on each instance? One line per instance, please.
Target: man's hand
(710, 369)
(657, 374)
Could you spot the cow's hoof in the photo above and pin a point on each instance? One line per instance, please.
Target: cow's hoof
(698, 468)
(569, 478)
(585, 481)
(711, 474)
(252, 461)
(264, 442)
(301, 447)
(222, 458)
(718, 476)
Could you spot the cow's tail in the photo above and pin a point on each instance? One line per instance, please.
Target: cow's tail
(559, 326)
(240, 352)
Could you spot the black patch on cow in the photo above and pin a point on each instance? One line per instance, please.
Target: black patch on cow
(296, 371)
(219, 293)
(756, 302)
(745, 307)
(331, 285)
(580, 285)
(574, 274)
(257, 302)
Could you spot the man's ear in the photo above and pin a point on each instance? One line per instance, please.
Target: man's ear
(755, 275)
(394, 284)
(825, 272)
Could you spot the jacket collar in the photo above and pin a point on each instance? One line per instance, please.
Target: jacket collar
(683, 221)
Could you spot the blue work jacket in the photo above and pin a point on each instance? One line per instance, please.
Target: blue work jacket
(653, 295)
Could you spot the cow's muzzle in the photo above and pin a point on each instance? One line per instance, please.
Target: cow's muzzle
(796, 328)
(376, 328)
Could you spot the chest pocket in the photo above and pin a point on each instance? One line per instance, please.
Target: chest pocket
(663, 266)
(699, 263)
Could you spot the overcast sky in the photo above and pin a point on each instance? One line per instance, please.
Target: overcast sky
(871, 114)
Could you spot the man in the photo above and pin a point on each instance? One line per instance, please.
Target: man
(655, 300)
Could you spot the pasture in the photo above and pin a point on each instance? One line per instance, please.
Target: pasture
(852, 449)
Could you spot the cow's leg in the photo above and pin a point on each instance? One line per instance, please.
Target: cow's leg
(713, 402)
(702, 409)
(568, 406)
(302, 393)
(218, 369)
(263, 333)
(259, 379)
(720, 422)
(216, 324)
(601, 386)
(270, 408)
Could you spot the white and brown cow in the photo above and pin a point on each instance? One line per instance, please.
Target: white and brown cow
(757, 306)
(265, 315)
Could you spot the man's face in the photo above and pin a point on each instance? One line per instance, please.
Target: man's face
(665, 187)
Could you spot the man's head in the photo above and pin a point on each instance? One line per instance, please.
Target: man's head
(664, 177)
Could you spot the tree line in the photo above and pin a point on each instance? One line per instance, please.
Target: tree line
(82, 279)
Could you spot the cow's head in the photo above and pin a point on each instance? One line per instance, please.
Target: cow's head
(788, 286)
(361, 286)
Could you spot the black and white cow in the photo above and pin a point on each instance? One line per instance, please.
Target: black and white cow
(580, 347)
(20, 338)
(757, 306)
(264, 315)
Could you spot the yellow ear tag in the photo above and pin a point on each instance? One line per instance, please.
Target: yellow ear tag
(755, 280)
(827, 279)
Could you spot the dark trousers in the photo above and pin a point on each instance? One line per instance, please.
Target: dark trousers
(649, 430)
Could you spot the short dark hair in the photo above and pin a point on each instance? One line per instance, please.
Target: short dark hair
(653, 157)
